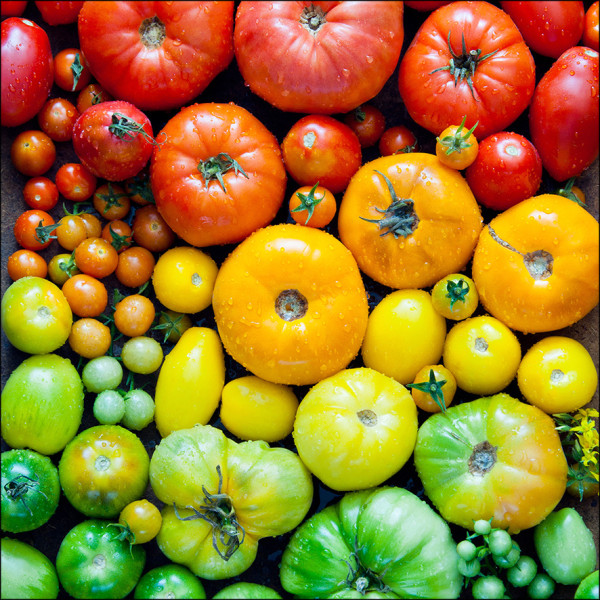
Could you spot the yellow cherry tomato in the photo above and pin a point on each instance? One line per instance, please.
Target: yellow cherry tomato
(455, 297)
(557, 374)
(434, 386)
(142, 520)
(457, 148)
(483, 354)
(404, 333)
(255, 409)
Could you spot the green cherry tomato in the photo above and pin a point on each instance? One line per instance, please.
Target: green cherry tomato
(142, 354)
(469, 568)
(109, 407)
(499, 542)
(508, 560)
(139, 409)
(541, 587)
(488, 586)
(523, 572)
(102, 373)
(482, 527)
(467, 550)
(169, 581)
(244, 589)
(589, 587)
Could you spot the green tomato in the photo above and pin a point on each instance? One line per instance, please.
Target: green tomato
(589, 587)
(169, 581)
(26, 572)
(565, 546)
(139, 409)
(523, 572)
(541, 587)
(92, 562)
(467, 550)
(499, 542)
(489, 586)
(508, 560)
(102, 373)
(142, 354)
(246, 590)
(384, 542)
(109, 407)
(42, 404)
(30, 490)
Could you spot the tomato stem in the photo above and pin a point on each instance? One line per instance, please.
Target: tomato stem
(124, 128)
(361, 578)
(216, 166)
(433, 387)
(308, 202)
(458, 141)
(77, 70)
(312, 18)
(43, 233)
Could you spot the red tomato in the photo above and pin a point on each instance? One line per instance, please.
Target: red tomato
(75, 182)
(59, 13)
(367, 122)
(41, 193)
(216, 162)
(32, 153)
(319, 148)
(490, 79)
(56, 119)
(71, 72)
(92, 94)
(507, 169)
(12, 8)
(563, 116)
(157, 55)
(114, 140)
(591, 27)
(27, 73)
(549, 27)
(397, 139)
(34, 229)
(317, 57)
(24, 263)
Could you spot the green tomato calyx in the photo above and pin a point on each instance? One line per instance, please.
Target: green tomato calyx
(361, 578)
(457, 291)
(483, 458)
(308, 202)
(458, 141)
(433, 387)
(126, 129)
(216, 166)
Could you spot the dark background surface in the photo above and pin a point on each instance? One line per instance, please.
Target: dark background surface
(227, 87)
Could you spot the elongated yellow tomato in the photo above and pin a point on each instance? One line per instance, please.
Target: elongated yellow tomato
(409, 220)
(536, 264)
(190, 381)
(290, 304)
(356, 429)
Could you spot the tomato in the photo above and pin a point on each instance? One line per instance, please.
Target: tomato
(26, 262)
(184, 279)
(111, 201)
(86, 295)
(536, 264)
(133, 315)
(467, 59)
(27, 72)
(150, 230)
(170, 579)
(90, 338)
(313, 206)
(59, 13)
(142, 354)
(321, 149)
(36, 317)
(377, 543)
(139, 408)
(158, 57)
(103, 469)
(591, 28)
(404, 333)
(135, 266)
(244, 589)
(215, 161)
(433, 388)
(32, 153)
(564, 108)
(71, 231)
(92, 562)
(190, 381)
(367, 122)
(174, 325)
(317, 57)
(96, 257)
(114, 140)
(42, 404)
(61, 267)
(75, 182)
(455, 297)
(507, 169)
(34, 229)
(492, 458)
(200, 473)
(12, 8)
(56, 119)
(427, 207)
(355, 429)
(26, 572)
(558, 375)
(142, 521)
(549, 28)
(290, 304)
(397, 139)
(456, 148)
(102, 373)
(40, 193)
(255, 409)
(91, 94)
(71, 72)
(589, 587)
(565, 546)
(118, 234)
(139, 189)
(30, 490)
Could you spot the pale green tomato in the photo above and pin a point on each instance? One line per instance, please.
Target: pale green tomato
(142, 355)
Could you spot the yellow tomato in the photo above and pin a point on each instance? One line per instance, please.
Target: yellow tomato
(455, 297)
(404, 333)
(184, 278)
(190, 381)
(356, 429)
(142, 520)
(483, 354)
(255, 409)
(431, 383)
(557, 374)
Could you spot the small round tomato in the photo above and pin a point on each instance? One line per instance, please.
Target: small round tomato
(455, 296)
(367, 122)
(71, 231)
(174, 325)
(557, 374)
(86, 295)
(184, 278)
(134, 315)
(255, 409)
(142, 354)
(507, 169)
(26, 262)
(32, 152)
(102, 373)
(457, 148)
(170, 580)
(150, 230)
(591, 27)
(91, 94)
(36, 316)
(396, 140)
(313, 206)
(90, 338)
(483, 354)
(40, 193)
(433, 388)
(321, 149)
(103, 469)
(92, 223)
(71, 72)
(111, 201)
(56, 119)
(404, 333)
(371, 429)
(139, 189)
(135, 266)
(34, 229)
(118, 234)
(61, 267)
(96, 257)
(139, 409)
(75, 182)
(142, 521)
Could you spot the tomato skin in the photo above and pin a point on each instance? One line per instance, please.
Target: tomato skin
(549, 28)
(56, 119)
(292, 54)
(503, 485)
(589, 587)
(367, 122)
(27, 232)
(27, 72)
(564, 108)
(75, 182)
(86, 295)
(502, 84)
(32, 153)
(135, 266)
(26, 262)
(40, 193)
(59, 13)
(205, 213)
(171, 578)
(397, 139)
(157, 57)
(246, 590)
(64, 64)
(96, 257)
(150, 230)
(456, 147)
(314, 206)
(591, 29)
(143, 519)
(12, 8)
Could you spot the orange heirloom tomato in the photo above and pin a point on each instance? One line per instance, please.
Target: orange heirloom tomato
(536, 264)
(409, 220)
(290, 304)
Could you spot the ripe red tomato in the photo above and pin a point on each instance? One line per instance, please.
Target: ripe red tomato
(157, 56)
(549, 27)
(56, 119)
(96, 257)
(34, 229)
(91, 94)
(507, 169)
(86, 295)
(32, 153)
(367, 122)
(27, 72)
(12, 8)
(71, 72)
(75, 182)
(59, 13)
(591, 27)
(317, 57)
(468, 58)
(41, 193)
(150, 230)
(563, 116)
(397, 139)
(24, 263)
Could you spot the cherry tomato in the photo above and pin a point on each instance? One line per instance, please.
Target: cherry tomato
(90, 338)
(111, 201)
(134, 315)
(56, 119)
(367, 122)
(40, 193)
(91, 94)
(397, 139)
(92, 224)
(150, 230)
(135, 266)
(142, 519)
(59, 13)
(26, 262)
(86, 295)
(433, 388)
(142, 354)
(139, 189)
(455, 297)
(313, 206)
(590, 31)
(455, 147)
(71, 72)
(71, 231)
(32, 152)
(61, 267)
(96, 257)
(34, 229)
(118, 234)
(75, 182)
